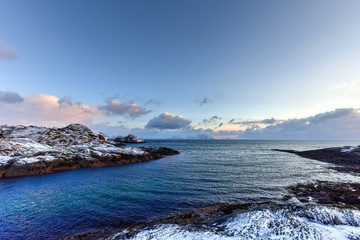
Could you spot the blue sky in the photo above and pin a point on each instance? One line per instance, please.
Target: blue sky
(117, 65)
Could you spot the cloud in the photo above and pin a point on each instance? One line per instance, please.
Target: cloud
(205, 100)
(10, 97)
(6, 52)
(342, 86)
(254, 122)
(43, 109)
(132, 110)
(168, 121)
(211, 120)
(340, 124)
(153, 102)
(269, 121)
(112, 97)
(65, 102)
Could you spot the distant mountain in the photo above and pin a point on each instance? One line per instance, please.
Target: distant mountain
(201, 137)
(177, 138)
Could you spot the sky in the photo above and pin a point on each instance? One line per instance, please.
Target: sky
(184, 69)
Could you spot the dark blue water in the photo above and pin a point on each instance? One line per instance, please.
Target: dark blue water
(206, 172)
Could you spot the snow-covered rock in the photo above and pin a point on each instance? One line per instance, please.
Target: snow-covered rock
(262, 222)
(351, 149)
(32, 150)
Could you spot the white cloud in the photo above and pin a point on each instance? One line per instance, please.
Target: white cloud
(344, 86)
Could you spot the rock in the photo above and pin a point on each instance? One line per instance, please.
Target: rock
(345, 159)
(72, 134)
(329, 193)
(129, 139)
(31, 150)
(102, 137)
(118, 144)
(160, 150)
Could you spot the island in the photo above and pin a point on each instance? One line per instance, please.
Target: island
(33, 150)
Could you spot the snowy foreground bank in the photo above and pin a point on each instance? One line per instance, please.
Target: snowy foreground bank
(255, 221)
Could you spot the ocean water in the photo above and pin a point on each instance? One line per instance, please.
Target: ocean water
(206, 172)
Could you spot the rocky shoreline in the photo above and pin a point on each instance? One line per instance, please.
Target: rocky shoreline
(345, 159)
(321, 205)
(196, 217)
(328, 203)
(31, 150)
(243, 221)
(344, 195)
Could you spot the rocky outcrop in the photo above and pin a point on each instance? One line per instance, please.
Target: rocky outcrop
(328, 193)
(31, 150)
(345, 159)
(129, 139)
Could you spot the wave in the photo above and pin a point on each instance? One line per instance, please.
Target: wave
(280, 223)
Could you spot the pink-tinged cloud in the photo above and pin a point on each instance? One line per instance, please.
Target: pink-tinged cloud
(6, 52)
(132, 110)
(46, 110)
(168, 121)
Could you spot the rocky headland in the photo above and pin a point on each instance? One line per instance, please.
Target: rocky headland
(345, 159)
(32, 150)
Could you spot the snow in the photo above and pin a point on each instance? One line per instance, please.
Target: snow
(4, 160)
(264, 224)
(349, 149)
(30, 144)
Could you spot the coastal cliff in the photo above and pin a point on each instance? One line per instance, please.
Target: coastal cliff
(32, 150)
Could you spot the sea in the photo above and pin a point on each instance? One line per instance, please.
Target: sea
(205, 172)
